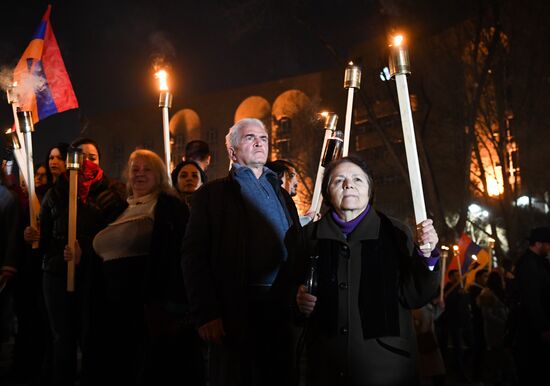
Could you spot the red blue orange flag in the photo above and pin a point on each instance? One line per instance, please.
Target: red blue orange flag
(472, 258)
(42, 83)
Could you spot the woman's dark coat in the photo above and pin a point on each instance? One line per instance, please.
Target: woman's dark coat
(361, 331)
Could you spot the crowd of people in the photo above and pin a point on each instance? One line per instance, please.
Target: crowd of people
(495, 330)
(185, 281)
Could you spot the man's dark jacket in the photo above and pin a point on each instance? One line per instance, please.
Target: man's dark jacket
(215, 254)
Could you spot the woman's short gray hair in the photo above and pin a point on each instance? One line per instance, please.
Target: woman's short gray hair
(156, 164)
(232, 137)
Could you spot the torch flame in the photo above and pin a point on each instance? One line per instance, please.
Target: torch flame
(398, 40)
(161, 75)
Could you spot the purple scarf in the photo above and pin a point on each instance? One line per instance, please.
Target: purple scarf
(349, 226)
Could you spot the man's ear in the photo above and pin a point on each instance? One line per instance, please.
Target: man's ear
(232, 154)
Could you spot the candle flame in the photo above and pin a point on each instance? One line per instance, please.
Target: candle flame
(324, 114)
(398, 40)
(350, 63)
(455, 247)
(445, 248)
(162, 75)
(474, 257)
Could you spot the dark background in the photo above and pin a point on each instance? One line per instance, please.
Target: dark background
(110, 47)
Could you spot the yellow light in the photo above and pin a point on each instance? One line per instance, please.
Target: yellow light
(350, 63)
(398, 40)
(162, 75)
(455, 247)
(494, 186)
(324, 114)
(445, 248)
(474, 257)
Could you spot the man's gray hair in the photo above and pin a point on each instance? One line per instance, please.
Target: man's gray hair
(232, 137)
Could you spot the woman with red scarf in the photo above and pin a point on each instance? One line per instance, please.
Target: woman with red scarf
(69, 313)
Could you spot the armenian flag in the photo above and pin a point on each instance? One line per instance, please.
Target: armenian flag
(469, 265)
(40, 78)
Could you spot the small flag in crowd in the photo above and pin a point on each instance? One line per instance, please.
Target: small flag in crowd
(472, 258)
(41, 80)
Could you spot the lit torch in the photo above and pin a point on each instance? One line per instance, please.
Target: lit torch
(18, 152)
(352, 81)
(444, 255)
(399, 68)
(165, 103)
(26, 126)
(458, 264)
(23, 134)
(74, 163)
(332, 149)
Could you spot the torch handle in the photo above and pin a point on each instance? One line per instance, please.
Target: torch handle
(166, 135)
(347, 124)
(443, 273)
(410, 148)
(73, 189)
(459, 265)
(316, 199)
(34, 207)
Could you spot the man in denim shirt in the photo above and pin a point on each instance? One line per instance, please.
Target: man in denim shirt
(238, 252)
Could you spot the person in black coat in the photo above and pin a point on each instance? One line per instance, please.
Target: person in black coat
(366, 278)
(149, 340)
(70, 313)
(237, 259)
(532, 346)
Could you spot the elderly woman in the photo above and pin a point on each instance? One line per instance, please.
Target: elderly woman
(187, 177)
(369, 276)
(141, 254)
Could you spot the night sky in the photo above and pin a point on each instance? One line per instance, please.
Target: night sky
(109, 47)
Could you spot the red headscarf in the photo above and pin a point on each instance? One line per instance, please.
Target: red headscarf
(88, 174)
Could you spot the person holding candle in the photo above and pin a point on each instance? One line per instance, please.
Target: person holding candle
(532, 340)
(370, 275)
(33, 346)
(237, 255)
(69, 312)
(144, 285)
